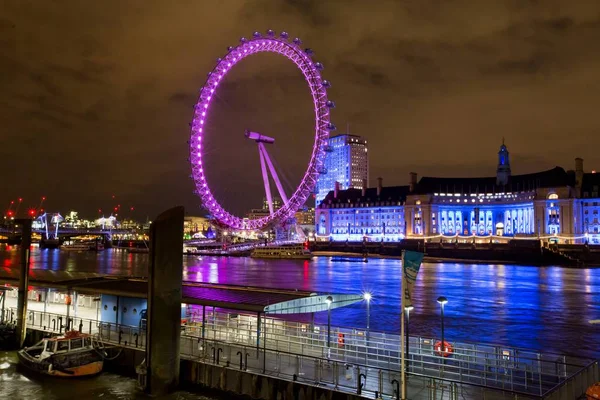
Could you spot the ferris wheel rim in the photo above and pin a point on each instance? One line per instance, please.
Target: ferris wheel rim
(318, 88)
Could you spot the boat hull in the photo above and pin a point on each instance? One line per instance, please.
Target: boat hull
(85, 363)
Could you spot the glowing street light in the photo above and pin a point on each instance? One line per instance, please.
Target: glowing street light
(367, 296)
(442, 301)
(329, 300)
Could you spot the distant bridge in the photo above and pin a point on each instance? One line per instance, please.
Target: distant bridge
(67, 232)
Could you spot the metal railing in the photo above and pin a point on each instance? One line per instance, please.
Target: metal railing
(298, 351)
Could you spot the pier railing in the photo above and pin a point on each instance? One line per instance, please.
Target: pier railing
(299, 351)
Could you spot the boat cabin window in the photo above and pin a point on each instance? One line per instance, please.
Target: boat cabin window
(50, 345)
(62, 345)
(88, 341)
(76, 343)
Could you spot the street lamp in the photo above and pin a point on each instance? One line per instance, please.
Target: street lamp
(367, 296)
(442, 301)
(407, 311)
(329, 300)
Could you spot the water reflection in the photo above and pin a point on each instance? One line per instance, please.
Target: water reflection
(17, 383)
(540, 308)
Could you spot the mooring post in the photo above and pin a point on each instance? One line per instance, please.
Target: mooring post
(23, 280)
(164, 302)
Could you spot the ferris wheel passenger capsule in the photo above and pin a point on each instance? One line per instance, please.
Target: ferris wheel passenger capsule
(331, 126)
(309, 51)
(284, 35)
(326, 84)
(243, 40)
(319, 66)
(330, 104)
(229, 48)
(256, 35)
(270, 33)
(297, 41)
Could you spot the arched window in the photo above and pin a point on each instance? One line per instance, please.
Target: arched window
(552, 196)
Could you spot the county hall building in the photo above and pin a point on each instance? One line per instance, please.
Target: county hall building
(554, 205)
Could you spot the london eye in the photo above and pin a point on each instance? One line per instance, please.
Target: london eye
(302, 58)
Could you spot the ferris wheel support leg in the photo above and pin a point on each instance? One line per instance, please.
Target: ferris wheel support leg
(274, 174)
(265, 176)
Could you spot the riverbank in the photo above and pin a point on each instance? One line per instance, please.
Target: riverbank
(525, 252)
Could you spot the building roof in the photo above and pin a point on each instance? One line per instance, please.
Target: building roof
(554, 177)
(232, 297)
(389, 193)
(590, 184)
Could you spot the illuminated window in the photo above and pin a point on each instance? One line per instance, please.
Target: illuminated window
(552, 196)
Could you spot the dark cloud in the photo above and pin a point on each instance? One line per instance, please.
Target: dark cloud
(96, 97)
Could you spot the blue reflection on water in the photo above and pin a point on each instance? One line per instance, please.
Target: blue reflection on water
(544, 308)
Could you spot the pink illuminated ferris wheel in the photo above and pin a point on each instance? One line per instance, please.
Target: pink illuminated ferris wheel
(318, 88)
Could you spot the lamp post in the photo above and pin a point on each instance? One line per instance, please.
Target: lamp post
(329, 300)
(367, 296)
(442, 301)
(407, 311)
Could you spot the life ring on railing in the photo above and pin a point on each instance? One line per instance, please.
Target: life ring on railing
(68, 300)
(341, 339)
(593, 392)
(448, 349)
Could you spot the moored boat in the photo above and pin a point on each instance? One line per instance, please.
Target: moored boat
(74, 354)
(294, 251)
(83, 246)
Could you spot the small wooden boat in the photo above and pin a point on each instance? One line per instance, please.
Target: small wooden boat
(74, 354)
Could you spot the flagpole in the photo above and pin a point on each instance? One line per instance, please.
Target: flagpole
(402, 364)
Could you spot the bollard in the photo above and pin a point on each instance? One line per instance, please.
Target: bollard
(53, 324)
(294, 378)
(136, 339)
(360, 384)
(81, 327)
(397, 390)
(90, 331)
(214, 351)
(219, 350)
(60, 324)
(239, 353)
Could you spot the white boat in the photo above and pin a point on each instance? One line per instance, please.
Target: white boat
(83, 246)
(294, 251)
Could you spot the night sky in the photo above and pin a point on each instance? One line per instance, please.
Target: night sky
(96, 96)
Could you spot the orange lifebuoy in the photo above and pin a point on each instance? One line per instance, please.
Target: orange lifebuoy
(448, 349)
(68, 300)
(341, 339)
(593, 392)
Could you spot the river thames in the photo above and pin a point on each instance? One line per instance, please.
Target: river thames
(540, 308)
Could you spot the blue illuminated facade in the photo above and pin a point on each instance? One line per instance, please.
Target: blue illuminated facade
(346, 162)
(555, 204)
